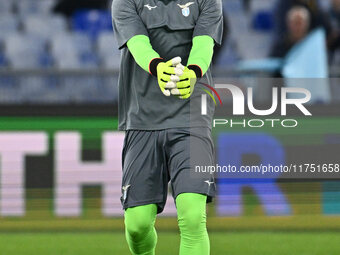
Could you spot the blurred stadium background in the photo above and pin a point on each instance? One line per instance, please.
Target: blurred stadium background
(60, 151)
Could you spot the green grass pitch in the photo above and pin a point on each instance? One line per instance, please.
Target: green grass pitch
(222, 243)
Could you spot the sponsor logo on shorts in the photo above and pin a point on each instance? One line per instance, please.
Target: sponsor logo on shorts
(125, 189)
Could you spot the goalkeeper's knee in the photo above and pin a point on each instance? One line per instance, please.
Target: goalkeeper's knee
(139, 229)
(192, 224)
(139, 220)
(191, 215)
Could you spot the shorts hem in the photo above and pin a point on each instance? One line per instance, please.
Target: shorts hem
(210, 195)
(160, 204)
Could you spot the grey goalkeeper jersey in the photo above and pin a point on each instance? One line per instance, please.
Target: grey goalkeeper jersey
(170, 25)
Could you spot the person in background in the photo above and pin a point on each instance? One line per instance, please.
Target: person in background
(298, 22)
(334, 40)
(318, 17)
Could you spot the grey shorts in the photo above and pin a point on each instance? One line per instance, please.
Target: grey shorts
(153, 158)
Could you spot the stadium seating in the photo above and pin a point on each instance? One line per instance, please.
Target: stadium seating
(92, 22)
(8, 95)
(111, 63)
(263, 21)
(108, 50)
(32, 37)
(70, 43)
(261, 5)
(71, 48)
(255, 26)
(25, 51)
(73, 51)
(45, 25)
(228, 56)
(107, 43)
(6, 6)
(9, 24)
(29, 7)
(2, 60)
(26, 60)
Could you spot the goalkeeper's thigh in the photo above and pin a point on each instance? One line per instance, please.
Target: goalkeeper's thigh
(140, 232)
(191, 210)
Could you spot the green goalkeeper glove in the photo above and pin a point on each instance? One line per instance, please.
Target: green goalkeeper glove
(168, 74)
(185, 86)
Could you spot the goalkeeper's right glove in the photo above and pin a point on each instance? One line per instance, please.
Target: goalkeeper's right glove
(185, 87)
(167, 73)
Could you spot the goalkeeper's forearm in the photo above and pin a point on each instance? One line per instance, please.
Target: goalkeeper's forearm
(201, 54)
(143, 53)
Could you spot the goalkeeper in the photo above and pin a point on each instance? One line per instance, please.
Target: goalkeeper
(166, 46)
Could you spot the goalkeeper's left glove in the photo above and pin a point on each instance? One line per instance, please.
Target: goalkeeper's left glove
(185, 87)
(167, 73)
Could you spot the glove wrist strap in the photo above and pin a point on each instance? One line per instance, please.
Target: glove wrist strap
(196, 69)
(153, 66)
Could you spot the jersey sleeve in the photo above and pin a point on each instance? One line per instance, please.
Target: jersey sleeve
(210, 20)
(126, 21)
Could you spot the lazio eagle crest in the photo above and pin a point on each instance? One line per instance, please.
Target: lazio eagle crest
(185, 8)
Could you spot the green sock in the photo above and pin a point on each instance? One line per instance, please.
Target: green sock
(191, 210)
(140, 232)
